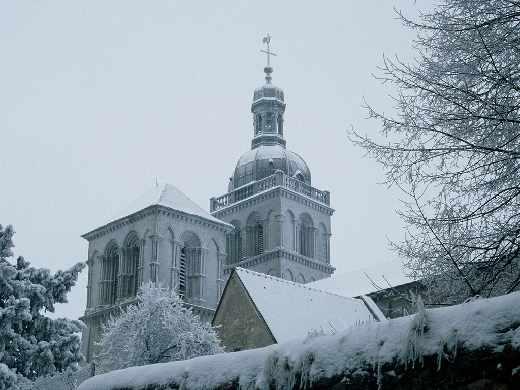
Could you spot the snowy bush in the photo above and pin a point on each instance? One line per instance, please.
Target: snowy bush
(32, 344)
(67, 380)
(159, 328)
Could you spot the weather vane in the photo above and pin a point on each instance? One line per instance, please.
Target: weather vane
(267, 41)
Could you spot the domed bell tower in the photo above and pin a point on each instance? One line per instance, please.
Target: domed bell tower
(282, 223)
(268, 108)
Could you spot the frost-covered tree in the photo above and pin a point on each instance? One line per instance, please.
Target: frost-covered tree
(32, 344)
(158, 328)
(454, 147)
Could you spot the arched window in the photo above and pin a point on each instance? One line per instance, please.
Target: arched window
(289, 275)
(255, 235)
(234, 244)
(128, 280)
(258, 237)
(280, 124)
(191, 267)
(306, 236)
(109, 272)
(324, 244)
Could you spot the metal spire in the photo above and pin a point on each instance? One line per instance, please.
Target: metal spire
(268, 69)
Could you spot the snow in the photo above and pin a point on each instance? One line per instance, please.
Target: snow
(266, 152)
(158, 329)
(439, 332)
(376, 311)
(166, 195)
(358, 282)
(291, 310)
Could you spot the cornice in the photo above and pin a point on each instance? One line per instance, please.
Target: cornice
(105, 309)
(269, 194)
(156, 210)
(282, 253)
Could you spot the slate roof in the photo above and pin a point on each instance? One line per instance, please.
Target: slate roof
(291, 310)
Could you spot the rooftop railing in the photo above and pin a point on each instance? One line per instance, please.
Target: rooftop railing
(278, 179)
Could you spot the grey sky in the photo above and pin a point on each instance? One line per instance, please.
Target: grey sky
(99, 97)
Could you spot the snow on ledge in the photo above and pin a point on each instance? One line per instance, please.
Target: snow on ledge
(472, 325)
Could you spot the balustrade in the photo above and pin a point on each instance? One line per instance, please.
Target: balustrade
(278, 179)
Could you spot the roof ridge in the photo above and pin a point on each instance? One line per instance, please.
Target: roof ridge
(296, 284)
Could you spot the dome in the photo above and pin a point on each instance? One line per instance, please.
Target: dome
(268, 91)
(264, 160)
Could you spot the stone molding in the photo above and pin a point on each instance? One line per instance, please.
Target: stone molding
(281, 253)
(154, 210)
(270, 194)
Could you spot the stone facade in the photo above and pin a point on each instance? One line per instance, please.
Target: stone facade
(282, 223)
(247, 328)
(272, 220)
(163, 236)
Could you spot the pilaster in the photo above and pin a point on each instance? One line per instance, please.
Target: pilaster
(154, 260)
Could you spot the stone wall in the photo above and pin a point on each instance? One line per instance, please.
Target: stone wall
(243, 329)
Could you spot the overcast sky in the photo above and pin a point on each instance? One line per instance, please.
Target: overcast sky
(97, 98)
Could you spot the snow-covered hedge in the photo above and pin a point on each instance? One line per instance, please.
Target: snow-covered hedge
(440, 336)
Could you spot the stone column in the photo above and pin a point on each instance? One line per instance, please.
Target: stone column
(174, 266)
(90, 264)
(278, 237)
(327, 247)
(140, 267)
(314, 242)
(202, 274)
(154, 261)
(220, 273)
(121, 282)
(297, 237)
(245, 242)
(101, 283)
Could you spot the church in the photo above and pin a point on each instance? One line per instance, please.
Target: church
(271, 221)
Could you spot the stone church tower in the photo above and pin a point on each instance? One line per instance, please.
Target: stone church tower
(272, 220)
(282, 223)
(163, 238)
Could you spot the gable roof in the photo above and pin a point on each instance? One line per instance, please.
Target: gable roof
(166, 195)
(291, 310)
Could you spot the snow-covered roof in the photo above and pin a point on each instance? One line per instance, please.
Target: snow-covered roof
(365, 280)
(487, 324)
(291, 310)
(166, 195)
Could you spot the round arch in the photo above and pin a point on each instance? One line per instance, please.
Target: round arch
(129, 272)
(234, 243)
(191, 266)
(306, 235)
(289, 275)
(109, 273)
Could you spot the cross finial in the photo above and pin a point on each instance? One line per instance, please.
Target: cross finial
(268, 69)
